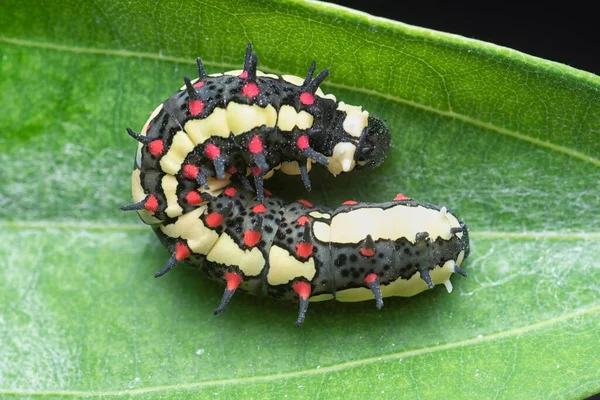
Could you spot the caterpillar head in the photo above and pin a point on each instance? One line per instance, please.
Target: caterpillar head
(368, 145)
(373, 145)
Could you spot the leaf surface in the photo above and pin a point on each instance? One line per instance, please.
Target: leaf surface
(510, 142)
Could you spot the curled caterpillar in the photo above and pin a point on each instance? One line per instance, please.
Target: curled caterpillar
(248, 122)
(356, 252)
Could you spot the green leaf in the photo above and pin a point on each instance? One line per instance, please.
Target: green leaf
(509, 141)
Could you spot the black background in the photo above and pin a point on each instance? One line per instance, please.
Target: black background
(566, 32)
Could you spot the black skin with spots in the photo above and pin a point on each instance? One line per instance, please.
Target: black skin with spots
(326, 131)
(339, 266)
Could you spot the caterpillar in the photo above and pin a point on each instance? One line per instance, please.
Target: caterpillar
(302, 251)
(248, 122)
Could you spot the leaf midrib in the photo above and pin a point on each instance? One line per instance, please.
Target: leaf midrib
(116, 227)
(450, 114)
(589, 309)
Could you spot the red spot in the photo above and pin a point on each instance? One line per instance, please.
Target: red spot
(349, 203)
(212, 151)
(214, 219)
(255, 145)
(307, 98)
(267, 192)
(196, 107)
(305, 203)
(370, 278)
(233, 280)
(190, 171)
(250, 89)
(156, 147)
(232, 170)
(302, 289)
(181, 251)
(151, 203)
(251, 238)
(400, 196)
(302, 220)
(256, 171)
(302, 142)
(193, 198)
(230, 192)
(147, 127)
(259, 209)
(198, 84)
(367, 252)
(244, 75)
(304, 249)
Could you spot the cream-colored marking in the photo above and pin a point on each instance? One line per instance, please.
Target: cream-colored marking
(394, 223)
(290, 168)
(342, 158)
(180, 147)
(304, 120)
(137, 192)
(214, 125)
(460, 258)
(317, 214)
(448, 285)
(355, 225)
(226, 251)
(399, 287)
(268, 174)
(283, 267)
(443, 211)
(329, 96)
(138, 155)
(169, 185)
(322, 231)
(293, 79)
(243, 118)
(356, 119)
(189, 226)
(216, 184)
(219, 74)
(321, 297)
(286, 120)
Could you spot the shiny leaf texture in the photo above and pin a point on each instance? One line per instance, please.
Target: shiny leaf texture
(508, 141)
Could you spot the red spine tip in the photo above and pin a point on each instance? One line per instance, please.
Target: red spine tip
(250, 89)
(233, 280)
(190, 171)
(305, 203)
(198, 84)
(400, 196)
(251, 238)
(267, 192)
(193, 198)
(156, 147)
(307, 98)
(302, 289)
(212, 151)
(151, 203)
(302, 142)
(230, 192)
(181, 251)
(367, 252)
(255, 145)
(244, 75)
(259, 209)
(214, 219)
(303, 249)
(370, 278)
(256, 171)
(302, 220)
(349, 203)
(196, 107)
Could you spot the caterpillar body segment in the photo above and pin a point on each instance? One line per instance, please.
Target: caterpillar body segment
(249, 123)
(306, 253)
